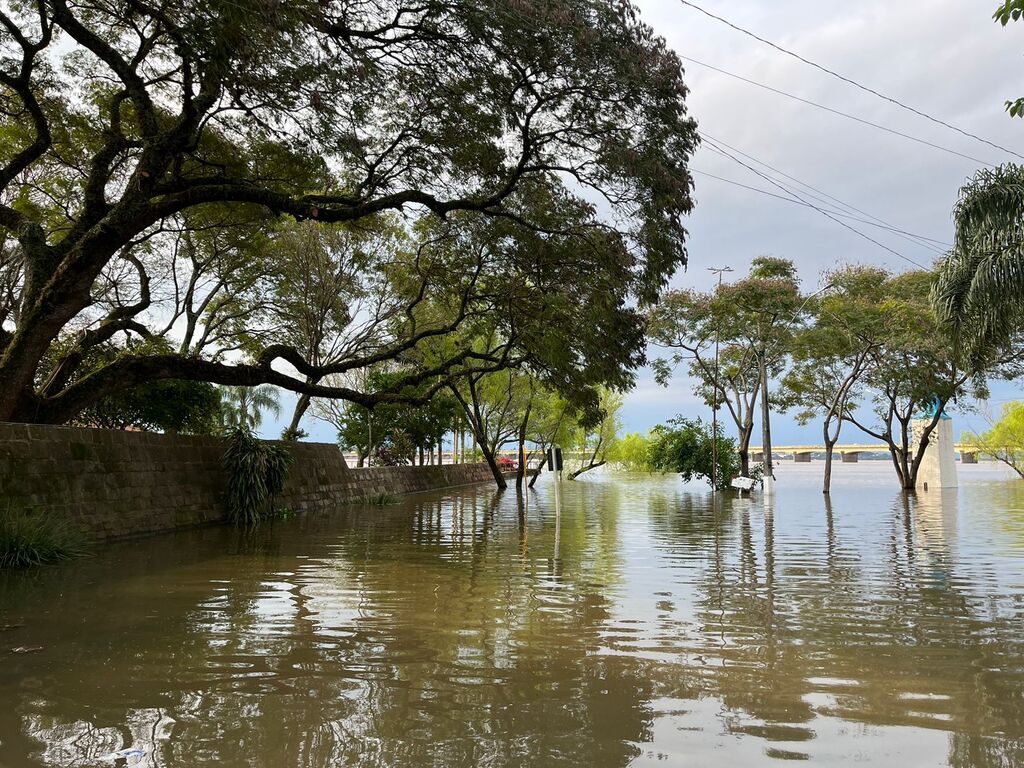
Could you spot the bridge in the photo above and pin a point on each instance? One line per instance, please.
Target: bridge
(849, 452)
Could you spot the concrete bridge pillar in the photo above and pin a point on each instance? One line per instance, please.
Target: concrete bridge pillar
(802, 458)
(757, 456)
(968, 457)
(850, 457)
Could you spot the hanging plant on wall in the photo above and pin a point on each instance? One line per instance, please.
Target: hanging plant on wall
(256, 473)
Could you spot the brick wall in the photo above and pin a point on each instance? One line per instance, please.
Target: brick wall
(115, 484)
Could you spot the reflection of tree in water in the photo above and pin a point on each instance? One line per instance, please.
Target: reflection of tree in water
(977, 751)
(888, 636)
(426, 639)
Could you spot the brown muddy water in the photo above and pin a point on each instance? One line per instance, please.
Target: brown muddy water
(644, 627)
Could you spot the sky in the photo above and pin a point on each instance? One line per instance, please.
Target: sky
(946, 58)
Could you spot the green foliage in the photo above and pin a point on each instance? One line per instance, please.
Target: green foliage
(1004, 441)
(163, 405)
(831, 354)
(744, 320)
(256, 473)
(31, 538)
(1007, 11)
(140, 202)
(187, 407)
(685, 446)
(632, 453)
(978, 293)
(242, 407)
(397, 449)
(598, 442)
(398, 430)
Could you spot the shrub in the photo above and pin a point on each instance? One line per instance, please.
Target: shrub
(256, 473)
(685, 446)
(632, 453)
(28, 539)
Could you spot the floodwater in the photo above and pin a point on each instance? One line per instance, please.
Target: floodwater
(643, 627)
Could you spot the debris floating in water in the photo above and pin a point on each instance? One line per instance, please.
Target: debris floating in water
(26, 649)
(742, 483)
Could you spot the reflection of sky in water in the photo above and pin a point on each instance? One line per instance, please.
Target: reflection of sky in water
(459, 629)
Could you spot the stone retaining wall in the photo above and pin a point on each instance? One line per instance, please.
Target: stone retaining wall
(115, 484)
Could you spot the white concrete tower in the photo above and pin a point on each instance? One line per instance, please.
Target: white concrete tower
(938, 467)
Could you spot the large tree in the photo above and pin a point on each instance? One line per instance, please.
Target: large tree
(732, 339)
(832, 354)
(914, 374)
(132, 127)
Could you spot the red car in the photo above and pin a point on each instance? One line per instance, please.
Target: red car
(505, 464)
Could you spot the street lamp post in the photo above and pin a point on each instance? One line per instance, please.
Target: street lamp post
(714, 395)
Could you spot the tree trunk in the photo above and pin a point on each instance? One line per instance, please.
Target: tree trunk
(476, 427)
(369, 438)
(830, 442)
(499, 478)
(520, 464)
(593, 465)
(899, 463)
(827, 482)
(37, 329)
(301, 406)
(744, 449)
(521, 457)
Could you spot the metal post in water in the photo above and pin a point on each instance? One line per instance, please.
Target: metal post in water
(555, 466)
(558, 512)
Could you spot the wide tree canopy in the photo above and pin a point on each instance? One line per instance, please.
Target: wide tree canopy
(147, 147)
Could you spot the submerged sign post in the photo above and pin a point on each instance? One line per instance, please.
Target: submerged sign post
(555, 460)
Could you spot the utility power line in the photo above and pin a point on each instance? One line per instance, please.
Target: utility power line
(825, 197)
(786, 199)
(848, 80)
(839, 112)
(820, 210)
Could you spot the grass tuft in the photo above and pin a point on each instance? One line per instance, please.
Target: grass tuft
(31, 539)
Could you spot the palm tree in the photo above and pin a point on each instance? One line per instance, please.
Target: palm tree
(979, 290)
(243, 407)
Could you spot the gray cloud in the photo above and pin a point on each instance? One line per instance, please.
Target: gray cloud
(947, 58)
